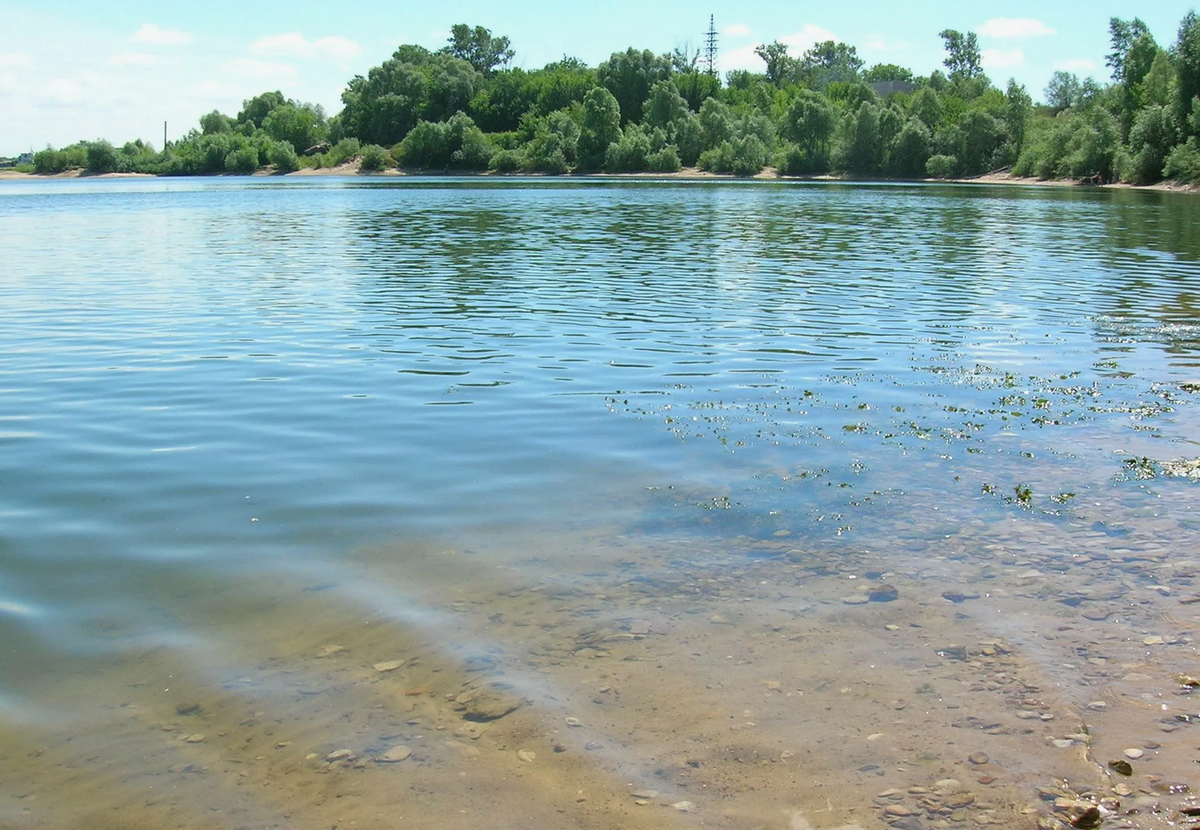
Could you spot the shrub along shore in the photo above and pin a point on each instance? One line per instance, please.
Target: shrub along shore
(460, 110)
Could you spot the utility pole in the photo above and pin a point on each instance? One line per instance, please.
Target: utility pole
(710, 49)
(164, 135)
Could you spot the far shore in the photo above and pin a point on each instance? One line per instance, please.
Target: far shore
(688, 173)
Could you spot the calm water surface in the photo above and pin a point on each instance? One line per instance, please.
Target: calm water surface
(239, 417)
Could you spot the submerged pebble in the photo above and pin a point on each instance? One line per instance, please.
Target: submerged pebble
(394, 755)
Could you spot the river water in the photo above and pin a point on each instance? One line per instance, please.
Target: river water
(443, 503)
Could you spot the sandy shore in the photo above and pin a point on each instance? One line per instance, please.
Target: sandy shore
(688, 173)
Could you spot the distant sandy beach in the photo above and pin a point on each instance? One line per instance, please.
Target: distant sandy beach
(688, 173)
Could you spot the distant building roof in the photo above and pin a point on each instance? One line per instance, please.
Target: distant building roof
(885, 88)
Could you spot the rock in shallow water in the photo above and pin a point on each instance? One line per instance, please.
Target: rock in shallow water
(394, 755)
(884, 593)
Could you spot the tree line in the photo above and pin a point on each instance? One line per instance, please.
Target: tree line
(463, 108)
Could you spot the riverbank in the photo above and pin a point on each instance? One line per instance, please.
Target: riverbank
(687, 174)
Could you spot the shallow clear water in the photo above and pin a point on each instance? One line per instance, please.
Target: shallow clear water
(240, 416)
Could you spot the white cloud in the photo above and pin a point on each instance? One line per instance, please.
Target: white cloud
(876, 43)
(336, 48)
(250, 69)
(1077, 65)
(1003, 58)
(133, 59)
(1009, 28)
(219, 91)
(155, 36)
(806, 38)
(63, 92)
(797, 43)
(14, 60)
(291, 44)
(295, 45)
(736, 30)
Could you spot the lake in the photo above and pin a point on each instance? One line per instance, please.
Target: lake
(449, 503)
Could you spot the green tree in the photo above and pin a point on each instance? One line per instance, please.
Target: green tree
(478, 47)
(1122, 34)
(302, 126)
(601, 127)
(1151, 139)
(910, 149)
(215, 122)
(863, 151)
(741, 156)
(978, 138)
(242, 159)
(283, 155)
(374, 158)
(830, 62)
(554, 145)
(631, 154)
(1017, 108)
(1064, 91)
(926, 105)
(668, 112)
(629, 76)
(413, 85)
(1158, 87)
(781, 67)
(443, 145)
(882, 72)
(664, 107)
(963, 58)
(102, 157)
(1187, 60)
(696, 88)
(716, 123)
(257, 108)
(810, 121)
(665, 160)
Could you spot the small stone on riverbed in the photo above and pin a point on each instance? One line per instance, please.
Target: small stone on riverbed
(884, 593)
(390, 665)
(340, 755)
(1133, 753)
(394, 755)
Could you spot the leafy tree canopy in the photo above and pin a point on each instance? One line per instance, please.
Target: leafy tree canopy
(478, 47)
(963, 58)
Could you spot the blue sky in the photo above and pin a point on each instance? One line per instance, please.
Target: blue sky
(83, 70)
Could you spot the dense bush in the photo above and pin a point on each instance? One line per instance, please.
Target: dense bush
(631, 154)
(507, 161)
(243, 160)
(50, 161)
(374, 157)
(283, 155)
(941, 167)
(745, 156)
(665, 160)
(1184, 162)
(102, 158)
